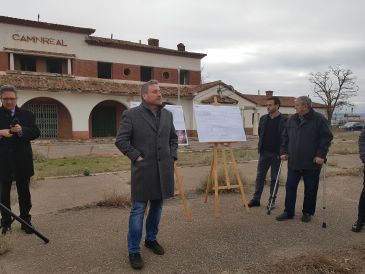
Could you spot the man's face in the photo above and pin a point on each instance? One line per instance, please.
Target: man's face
(300, 108)
(153, 96)
(271, 107)
(8, 99)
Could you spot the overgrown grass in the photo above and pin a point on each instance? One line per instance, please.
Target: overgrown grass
(222, 181)
(115, 199)
(355, 171)
(85, 166)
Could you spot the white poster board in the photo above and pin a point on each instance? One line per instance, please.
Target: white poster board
(133, 104)
(179, 123)
(219, 123)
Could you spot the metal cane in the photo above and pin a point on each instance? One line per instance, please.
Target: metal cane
(275, 188)
(324, 202)
(20, 220)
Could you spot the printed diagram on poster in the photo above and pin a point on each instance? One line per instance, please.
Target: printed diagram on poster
(179, 123)
(219, 123)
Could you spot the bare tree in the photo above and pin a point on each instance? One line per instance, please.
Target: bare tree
(334, 87)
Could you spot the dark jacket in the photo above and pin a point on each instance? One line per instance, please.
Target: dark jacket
(16, 156)
(262, 126)
(304, 140)
(362, 145)
(153, 177)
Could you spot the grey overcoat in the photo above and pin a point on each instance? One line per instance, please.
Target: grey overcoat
(138, 135)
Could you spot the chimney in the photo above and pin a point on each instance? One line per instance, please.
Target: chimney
(181, 47)
(269, 93)
(153, 42)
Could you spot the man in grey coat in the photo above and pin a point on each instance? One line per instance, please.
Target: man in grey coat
(147, 137)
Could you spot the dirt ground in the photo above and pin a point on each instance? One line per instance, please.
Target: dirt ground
(85, 238)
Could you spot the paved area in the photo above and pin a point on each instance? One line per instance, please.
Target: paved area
(93, 240)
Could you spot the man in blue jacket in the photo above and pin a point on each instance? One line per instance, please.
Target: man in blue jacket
(271, 127)
(306, 140)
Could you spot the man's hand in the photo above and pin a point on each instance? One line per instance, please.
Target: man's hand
(5, 133)
(16, 129)
(284, 157)
(318, 160)
(140, 158)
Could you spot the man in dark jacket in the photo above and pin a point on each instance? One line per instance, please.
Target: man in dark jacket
(357, 226)
(271, 127)
(147, 137)
(17, 129)
(306, 140)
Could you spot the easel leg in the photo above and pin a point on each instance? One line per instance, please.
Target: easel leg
(209, 183)
(216, 186)
(180, 187)
(238, 176)
(226, 173)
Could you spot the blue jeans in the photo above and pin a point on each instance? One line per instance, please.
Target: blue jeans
(136, 223)
(266, 161)
(311, 181)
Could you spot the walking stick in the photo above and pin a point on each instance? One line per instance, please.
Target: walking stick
(20, 220)
(324, 202)
(275, 188)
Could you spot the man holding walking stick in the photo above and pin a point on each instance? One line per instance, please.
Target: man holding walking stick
(357, 226)
(306, 140)
(271, 127)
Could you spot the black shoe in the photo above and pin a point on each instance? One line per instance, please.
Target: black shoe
(5, 229)
(283, 216)
(253, 203)
(357, 226)
(155, 247)
(136, 261)
(306, 218)
(27, 229)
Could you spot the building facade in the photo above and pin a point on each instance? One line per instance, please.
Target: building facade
(78, 85)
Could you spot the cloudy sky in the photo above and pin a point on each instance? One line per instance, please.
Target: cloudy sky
(251, 45)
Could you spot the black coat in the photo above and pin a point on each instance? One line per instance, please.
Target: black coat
(304, 140)
(153, 177)
(16, 156)
(262, 125)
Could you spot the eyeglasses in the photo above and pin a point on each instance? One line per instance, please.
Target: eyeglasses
(8, 99)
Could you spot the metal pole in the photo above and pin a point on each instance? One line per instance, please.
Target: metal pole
(178, 85)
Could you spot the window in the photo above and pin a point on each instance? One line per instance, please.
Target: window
(54, 66)
(184, 77)
(127, 71)
(146, 74)
(28, 63)
(166, 75)
(104, 70)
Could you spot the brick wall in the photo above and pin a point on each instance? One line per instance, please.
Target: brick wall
(4, 61)
(41, 65)
(194, 77)
(85, 68)
(120, 71)
(158, 74)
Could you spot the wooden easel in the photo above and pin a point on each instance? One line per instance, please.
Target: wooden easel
(181, 192)
(214, 173)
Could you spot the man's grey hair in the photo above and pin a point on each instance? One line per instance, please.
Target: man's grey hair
(304, 100)
(145, 86)
(6, 88)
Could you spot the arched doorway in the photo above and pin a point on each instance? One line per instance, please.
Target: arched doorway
(52, 117)
(105, 119)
